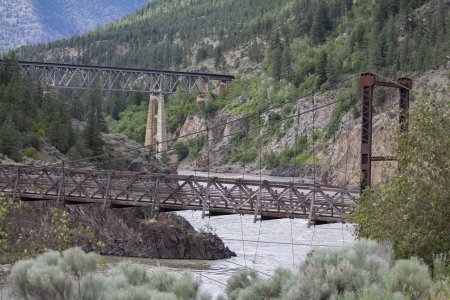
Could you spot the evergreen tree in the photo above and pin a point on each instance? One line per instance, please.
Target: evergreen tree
(286, 70)
(218, 57)
(58, 123)
(276, 57)
(321, 68)
(95, 124)
(9, 139)
(320, 23)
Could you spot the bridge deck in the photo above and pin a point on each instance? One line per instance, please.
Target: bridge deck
(174, 192)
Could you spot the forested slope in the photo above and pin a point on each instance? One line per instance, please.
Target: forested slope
(30, 22)
(280, 50)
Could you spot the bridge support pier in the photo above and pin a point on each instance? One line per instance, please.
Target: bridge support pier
(149, 132)
(222, 87)
(161, 131)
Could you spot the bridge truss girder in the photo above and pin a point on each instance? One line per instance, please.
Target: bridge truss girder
(266, 199)
(69, 76)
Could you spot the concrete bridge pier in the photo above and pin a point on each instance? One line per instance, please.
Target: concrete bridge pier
(203, 88)
(222, 87)
(150, 129)
(160, 130)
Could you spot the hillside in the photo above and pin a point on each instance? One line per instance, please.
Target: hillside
(279, 50)
(27, 22)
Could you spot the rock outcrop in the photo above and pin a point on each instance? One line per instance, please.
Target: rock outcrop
(130, 232)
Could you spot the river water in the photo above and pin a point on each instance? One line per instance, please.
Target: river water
(262, 246)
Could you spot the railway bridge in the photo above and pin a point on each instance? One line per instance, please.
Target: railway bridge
(155, 82)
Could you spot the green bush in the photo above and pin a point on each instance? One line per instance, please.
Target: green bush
(360, 272)
(72, 274)
(295, 156)
(181, 149)
(411, 278)
(31, 153)
(196, 146)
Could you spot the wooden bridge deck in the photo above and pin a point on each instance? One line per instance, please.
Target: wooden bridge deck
(266, 199)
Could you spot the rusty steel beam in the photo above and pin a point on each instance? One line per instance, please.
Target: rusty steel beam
(383, 158)
(405, 87)
(367, 83)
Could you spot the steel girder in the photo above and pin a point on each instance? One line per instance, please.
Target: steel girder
(71, 76)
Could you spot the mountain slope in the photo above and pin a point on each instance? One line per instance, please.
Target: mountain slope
(37, 21)
(280, 50)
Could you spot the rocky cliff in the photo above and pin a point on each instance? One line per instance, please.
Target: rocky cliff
(337, 157)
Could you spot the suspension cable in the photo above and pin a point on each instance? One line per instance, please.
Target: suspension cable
(292, 246)
(243, 243)
(257, 243)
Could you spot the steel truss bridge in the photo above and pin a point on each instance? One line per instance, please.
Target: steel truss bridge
(166, 192)
(71, 76)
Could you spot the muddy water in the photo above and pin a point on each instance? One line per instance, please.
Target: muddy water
(263, 246)
(246, 176)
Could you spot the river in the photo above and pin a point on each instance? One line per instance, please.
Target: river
(262, 246)
(282, 242)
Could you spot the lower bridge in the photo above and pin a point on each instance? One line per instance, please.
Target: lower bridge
(162, 192)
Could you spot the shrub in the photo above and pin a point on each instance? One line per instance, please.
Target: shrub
(71, 275)
(181, 149)
(411, 278)
(361, 272)
(31, 153)
(240, 281)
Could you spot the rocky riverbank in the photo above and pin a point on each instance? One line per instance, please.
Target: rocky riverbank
(168, 236)
(130, 232)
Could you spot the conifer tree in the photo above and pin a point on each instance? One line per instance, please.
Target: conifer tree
(321, 68)
(95, 124)
(320, 23)
(9, 139)
(286, 62)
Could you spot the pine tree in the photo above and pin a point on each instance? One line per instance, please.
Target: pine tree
(276, 63)
(320, 23)
(58, 123)
(321, 68)
(9, 139)
(95, 124)
(286, 71)
(276, 56)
